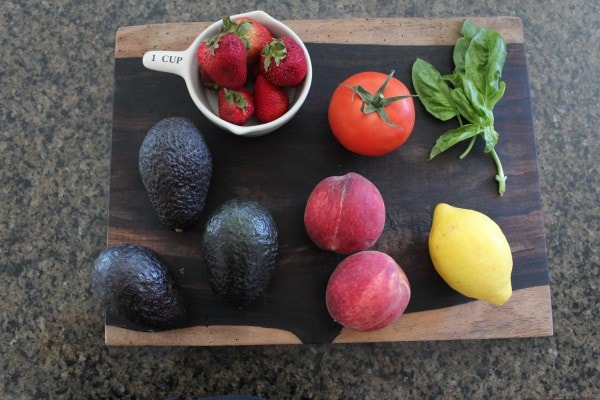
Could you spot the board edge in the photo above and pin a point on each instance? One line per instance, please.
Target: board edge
(466, 321)
(449, 323)
(134, 41)
(206, 336)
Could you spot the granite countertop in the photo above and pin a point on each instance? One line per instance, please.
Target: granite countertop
(56, 90)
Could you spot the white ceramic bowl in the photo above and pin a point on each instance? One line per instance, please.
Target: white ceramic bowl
(185, 64)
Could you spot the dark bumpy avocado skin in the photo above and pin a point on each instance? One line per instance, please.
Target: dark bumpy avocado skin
(176, 168)
(240, 249)
(133, 284)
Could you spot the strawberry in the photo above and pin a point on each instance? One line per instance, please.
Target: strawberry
(254, 35)
(207, 80)
(235, 106)
(222, 58)
(283, 62)
(253, 71)
(270, 101)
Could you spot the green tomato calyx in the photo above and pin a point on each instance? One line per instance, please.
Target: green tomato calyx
(376, 102)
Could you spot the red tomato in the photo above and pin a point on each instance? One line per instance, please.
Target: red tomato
(369, 134)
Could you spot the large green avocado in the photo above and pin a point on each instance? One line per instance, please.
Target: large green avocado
(176, 167)
(240, 249)
(133, 284)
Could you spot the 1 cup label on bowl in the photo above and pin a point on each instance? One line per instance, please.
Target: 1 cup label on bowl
(166, 58)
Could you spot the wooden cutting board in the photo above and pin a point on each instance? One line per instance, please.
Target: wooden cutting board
(280, 170)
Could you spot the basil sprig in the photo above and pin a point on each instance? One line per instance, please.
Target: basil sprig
(469, 93)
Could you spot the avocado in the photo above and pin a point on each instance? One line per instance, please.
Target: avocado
(133, 284)
(176, 167)
(240, 249)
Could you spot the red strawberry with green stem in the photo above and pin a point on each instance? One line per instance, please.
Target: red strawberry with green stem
(283, 62)
(222, 59)
(235, 105)
(270, 101)
(254, 35)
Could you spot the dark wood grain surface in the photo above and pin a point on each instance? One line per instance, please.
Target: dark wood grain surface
(280, 169)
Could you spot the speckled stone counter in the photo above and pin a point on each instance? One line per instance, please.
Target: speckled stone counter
(56, 77)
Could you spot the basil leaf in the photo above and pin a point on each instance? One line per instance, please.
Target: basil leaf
(491, 138)
(464, 106)
(452, 137)
(458, 56)
(454, 79)
(484, 61)
(468, 30)
(496, 58)
(432, 90)
(494, 98)
(481, 111)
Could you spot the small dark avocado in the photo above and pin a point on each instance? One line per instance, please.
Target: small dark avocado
(240, 249)
(176, 167)
(133, 284)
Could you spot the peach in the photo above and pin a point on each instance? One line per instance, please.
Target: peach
(367, 291)
(344, 214)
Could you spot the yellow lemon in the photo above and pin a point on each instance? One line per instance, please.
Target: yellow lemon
(471, 253)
